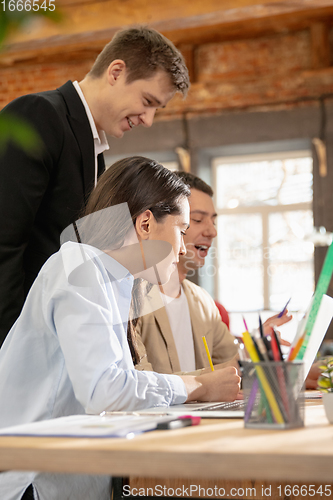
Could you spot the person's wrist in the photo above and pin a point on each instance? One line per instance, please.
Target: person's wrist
(193, 386)
(202, 392)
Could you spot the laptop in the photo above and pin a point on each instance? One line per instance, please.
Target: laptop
(236, 408)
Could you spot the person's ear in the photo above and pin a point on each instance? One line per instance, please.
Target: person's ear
(143, 225)
(116, 69)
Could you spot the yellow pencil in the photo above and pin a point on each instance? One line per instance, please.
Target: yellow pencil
(208, 354)
(262, 378)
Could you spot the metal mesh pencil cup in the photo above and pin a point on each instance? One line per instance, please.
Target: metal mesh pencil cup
(273, 395)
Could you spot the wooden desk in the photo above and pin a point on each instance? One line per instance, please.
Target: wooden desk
(215, 449)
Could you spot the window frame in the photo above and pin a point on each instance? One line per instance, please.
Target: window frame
(263, 210)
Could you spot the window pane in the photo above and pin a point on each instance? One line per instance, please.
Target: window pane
(264, 182)
(290, 255)
(265, 201)
(240, 262)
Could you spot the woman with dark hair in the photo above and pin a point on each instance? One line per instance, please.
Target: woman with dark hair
(71, 350)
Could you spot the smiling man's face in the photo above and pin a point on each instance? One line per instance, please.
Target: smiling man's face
(199, 237)
(128, 105)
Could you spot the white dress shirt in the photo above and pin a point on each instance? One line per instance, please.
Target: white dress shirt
(180, 323)
(68, 354)
(100, 141)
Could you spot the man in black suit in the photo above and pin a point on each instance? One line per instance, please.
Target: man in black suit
(136, 73)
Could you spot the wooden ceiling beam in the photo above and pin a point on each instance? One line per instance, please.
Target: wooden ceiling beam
(246, 22)
(320, 45)
(210, 97)
(100, 15)
(188, 52)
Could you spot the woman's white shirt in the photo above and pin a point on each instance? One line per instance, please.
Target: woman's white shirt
(68, 354)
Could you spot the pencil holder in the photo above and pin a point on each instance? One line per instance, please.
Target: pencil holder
(273, 395)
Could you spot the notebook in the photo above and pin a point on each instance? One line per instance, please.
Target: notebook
(236, 408)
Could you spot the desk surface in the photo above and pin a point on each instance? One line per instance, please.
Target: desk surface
(215, 449)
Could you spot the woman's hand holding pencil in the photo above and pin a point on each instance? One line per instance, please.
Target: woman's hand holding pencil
(220, 385)
(223, 384)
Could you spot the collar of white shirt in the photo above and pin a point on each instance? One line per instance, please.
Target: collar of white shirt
(117, 270)
(100, 140)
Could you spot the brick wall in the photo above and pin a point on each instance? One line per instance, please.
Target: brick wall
(259, 57)
(267, 70)
(25, 79)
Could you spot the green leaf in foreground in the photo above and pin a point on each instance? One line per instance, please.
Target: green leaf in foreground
(20, 132)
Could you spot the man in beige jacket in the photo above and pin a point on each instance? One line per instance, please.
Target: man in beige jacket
(176, 317)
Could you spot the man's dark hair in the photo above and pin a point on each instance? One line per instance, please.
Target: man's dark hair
(195, 182)
(144, 52)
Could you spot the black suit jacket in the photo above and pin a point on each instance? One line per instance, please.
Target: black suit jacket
(42, 194)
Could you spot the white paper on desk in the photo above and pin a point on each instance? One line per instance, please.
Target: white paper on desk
(322, 322)
(92, 426)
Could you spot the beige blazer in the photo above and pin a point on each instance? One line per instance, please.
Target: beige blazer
(158, 350)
